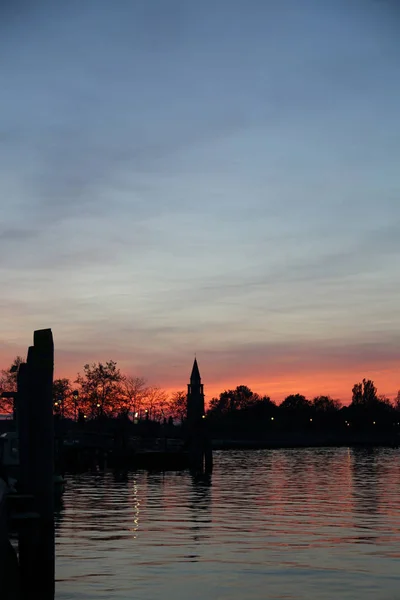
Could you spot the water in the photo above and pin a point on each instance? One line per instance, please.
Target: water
(305, 523)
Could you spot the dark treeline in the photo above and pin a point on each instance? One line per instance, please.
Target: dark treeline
(243, 412)
(101, 391)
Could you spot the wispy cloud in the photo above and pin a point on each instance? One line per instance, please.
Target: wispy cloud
(220, 178)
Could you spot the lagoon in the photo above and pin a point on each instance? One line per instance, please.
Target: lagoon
(320, 523)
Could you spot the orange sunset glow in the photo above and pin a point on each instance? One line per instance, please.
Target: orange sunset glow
(277, 379)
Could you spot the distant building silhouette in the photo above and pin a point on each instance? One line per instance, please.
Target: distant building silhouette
(198, 438)
(195, 397)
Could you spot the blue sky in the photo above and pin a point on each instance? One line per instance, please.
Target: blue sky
(212, 177)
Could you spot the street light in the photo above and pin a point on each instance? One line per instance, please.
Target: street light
(61, 404)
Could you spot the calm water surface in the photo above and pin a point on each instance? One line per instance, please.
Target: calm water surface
(307, 523)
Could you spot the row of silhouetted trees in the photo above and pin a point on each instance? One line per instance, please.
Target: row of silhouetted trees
(243, 410)
(102, 390)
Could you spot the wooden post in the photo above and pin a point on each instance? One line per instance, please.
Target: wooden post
(36, 432)
(3, 531)
(29, 532)
(9, 571)
(42, 435)
(23, 427)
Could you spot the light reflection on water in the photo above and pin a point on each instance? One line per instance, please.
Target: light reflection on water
(293, 523)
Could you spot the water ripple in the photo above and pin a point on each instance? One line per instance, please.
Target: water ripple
(309, 523)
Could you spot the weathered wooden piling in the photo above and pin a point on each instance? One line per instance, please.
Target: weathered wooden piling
(3, 531)
(23, 426)
(36, 444)
(9, 570)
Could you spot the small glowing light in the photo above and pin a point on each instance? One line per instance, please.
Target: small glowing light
(272, 418)
(98, 405)
(348, 424)
(55, 403)
(136, 415)
(203, 417)
(373, 422)
(146, 411)
(310, 419)
(84, 416)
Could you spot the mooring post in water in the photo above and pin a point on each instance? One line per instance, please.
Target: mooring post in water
(9, 571)
(200, 452)
(29, 532)
(3, 531)
(23, 427)
(43, 463)
(36, 434)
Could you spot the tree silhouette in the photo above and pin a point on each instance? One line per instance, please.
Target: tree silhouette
(295, 403)
(325, 412)
(134, 392)
(177, 405)
(8, 383)
(325, 404)
(100, 389)
(364, 393)
(295, 411)
(396, 401)
(368, 410)
(155, 403)
(233, 400)
(62, 398)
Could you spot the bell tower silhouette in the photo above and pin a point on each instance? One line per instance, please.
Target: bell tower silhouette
(195, 397)
(197, 431)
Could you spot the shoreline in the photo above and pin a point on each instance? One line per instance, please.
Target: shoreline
(307, 441)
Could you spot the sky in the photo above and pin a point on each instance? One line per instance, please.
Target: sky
(214, 177)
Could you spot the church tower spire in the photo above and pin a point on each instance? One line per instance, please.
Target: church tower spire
(195, 396)
(195, 376)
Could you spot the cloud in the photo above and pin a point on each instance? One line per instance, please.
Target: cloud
(9, 234)
(211, 178)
